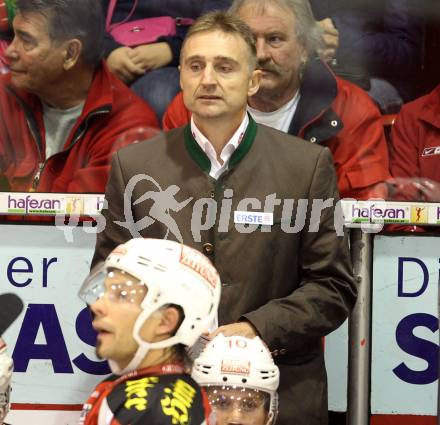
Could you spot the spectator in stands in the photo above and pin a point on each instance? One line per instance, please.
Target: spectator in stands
(415, 149)
(151, 69)
(301, 96)
(380, 46)
(61, 109)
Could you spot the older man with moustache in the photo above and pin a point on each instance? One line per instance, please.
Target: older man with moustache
(301, 96)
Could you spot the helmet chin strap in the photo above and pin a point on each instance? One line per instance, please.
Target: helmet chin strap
(143, 349)
(270, 416)
(140, 354)
(273, 413)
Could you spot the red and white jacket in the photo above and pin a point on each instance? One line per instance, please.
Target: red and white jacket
(415, 148)
(110, 111)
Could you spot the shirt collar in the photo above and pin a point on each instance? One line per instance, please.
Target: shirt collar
(229, 148)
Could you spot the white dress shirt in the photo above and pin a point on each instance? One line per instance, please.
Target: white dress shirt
(217, 168)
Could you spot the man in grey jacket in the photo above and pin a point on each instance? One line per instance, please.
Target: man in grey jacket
(259, 203)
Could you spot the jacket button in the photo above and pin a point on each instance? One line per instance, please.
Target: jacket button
(212, 194)
(313, 139)
(334, 123)
(208, 248)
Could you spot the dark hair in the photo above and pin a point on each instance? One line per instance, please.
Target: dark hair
(179, 350)
(67, 19)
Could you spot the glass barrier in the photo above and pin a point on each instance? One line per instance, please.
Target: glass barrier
(365, 86)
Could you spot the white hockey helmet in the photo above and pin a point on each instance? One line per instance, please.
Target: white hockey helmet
(239, 362)
(174, 274)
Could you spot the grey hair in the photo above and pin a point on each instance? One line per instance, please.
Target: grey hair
(68, 19)
(308, 32)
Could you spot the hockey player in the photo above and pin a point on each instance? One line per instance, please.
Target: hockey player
(241, 380)
(150, 299)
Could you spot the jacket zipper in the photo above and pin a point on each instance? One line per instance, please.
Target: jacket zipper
(36, 179)
(28, 114)
(42, 164)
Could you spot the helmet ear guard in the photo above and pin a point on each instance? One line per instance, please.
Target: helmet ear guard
(174, 274)
(274, 406)
(239, 362)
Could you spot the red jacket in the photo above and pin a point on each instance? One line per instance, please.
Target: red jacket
(110, 110)
(336, 114)
(415, 150)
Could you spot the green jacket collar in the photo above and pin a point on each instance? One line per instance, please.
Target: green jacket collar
(199, 156)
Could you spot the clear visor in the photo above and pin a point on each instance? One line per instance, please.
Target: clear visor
(113, 284)
(230, 399)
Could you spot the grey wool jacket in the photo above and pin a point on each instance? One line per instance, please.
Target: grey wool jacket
(290, 275)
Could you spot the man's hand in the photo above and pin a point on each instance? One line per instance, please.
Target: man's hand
(419, 189)
(330, 38)
(240, 328)
(123, 63)
(152, 56)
